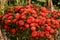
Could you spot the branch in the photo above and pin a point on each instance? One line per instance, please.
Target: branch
(17, 1)
(29, 1)
(50, 5)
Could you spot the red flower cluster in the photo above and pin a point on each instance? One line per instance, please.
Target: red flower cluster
(40, 21)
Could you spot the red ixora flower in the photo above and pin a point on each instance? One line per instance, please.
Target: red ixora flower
(13, 31)
(34, 34)
(7, 21)
(17, 16)
(21, 22)
(6, 27)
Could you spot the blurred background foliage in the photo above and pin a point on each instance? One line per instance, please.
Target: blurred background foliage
(40, 3)
(56, 3)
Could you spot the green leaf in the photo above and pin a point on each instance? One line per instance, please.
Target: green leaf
(58, 3)
(25, 33)
(42, 0)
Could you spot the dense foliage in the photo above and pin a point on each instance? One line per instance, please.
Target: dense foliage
(40, 3)
(56, 3)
